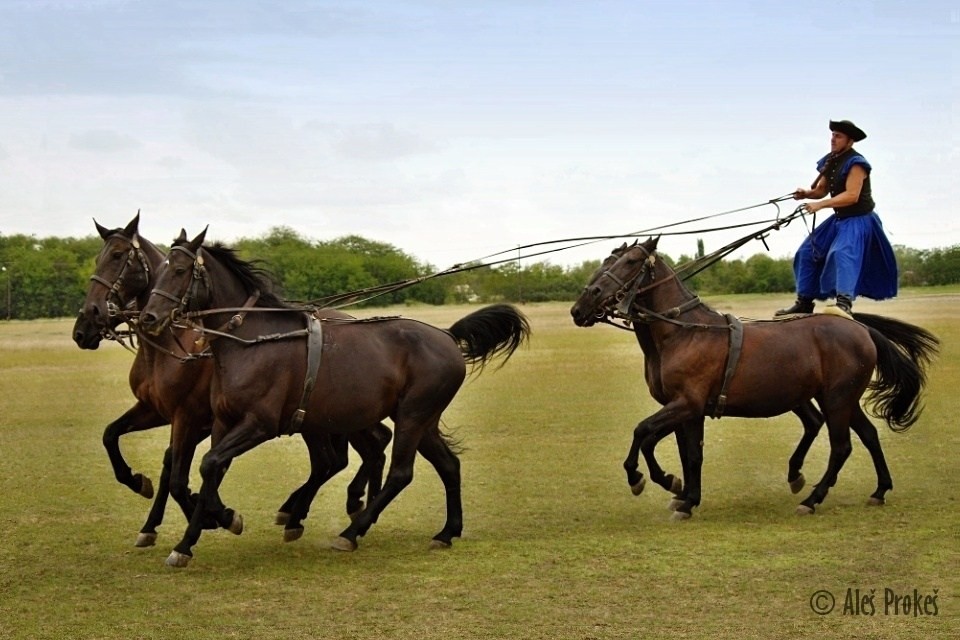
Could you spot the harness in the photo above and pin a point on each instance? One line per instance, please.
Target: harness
(314, 350)
(624, 309)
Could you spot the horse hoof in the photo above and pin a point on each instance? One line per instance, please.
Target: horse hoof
(146, 540)
(680, 516)
(178, 560)
(804, 510)
(146, 486)
(675, 504)
(676, 485)
(439, 544)
(637, 489)
(875, 502)
(797, 483)
(343, 544)
(236, 527)
(282, 518)
(290, 535)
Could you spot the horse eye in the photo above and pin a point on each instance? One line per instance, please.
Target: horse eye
(179, 270)
(117, 255)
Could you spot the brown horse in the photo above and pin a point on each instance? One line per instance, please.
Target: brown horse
(367, 371)
(172, 385)
(810, 417)
(695, 368)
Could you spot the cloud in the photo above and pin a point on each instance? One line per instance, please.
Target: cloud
(378, 142)
(103, 141)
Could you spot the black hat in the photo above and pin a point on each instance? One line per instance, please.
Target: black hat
(848, 129)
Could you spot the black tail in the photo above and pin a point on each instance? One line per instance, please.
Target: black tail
(919, 344)
(903, 353)
(489, 332)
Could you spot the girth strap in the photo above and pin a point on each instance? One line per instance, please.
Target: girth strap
(733, 358)
(314, 350)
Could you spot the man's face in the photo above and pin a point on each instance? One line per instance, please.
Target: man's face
(839, 142)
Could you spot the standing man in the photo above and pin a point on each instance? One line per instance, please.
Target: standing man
(848, 254)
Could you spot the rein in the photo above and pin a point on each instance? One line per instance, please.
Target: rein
(113, 288)
(625, 300)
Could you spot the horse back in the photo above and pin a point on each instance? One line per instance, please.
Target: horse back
(783, 364)
(373, 370)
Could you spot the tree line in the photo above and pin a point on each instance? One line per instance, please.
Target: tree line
(48, 277)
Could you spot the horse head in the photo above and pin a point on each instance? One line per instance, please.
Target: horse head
(627, 269)
(182, 284)
(121, 274)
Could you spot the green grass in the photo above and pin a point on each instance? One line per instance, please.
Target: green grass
(554, 545)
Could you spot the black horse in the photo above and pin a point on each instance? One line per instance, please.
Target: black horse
(171, 384)
(693, 371)
(364, 371)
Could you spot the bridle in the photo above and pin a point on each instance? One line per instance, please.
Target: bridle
(134, 255)
(199, 278)
(627, 288)
(620, 304)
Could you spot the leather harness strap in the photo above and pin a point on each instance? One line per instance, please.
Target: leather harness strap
(733, 358)
(314, 350)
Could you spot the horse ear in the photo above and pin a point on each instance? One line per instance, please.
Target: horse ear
(653, 242)
(182, 238)
(103, 231)
(131, 228)
(196, 242)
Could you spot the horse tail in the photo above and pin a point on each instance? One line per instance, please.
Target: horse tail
(919, 344)
(496, 330)
(903, 353)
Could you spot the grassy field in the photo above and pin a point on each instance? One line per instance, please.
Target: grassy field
(555, 546)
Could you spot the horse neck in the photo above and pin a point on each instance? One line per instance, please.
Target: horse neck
(228, 292)
(226, 289)
(669, 292)
(154, 257)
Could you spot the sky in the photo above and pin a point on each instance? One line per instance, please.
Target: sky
(454, 130)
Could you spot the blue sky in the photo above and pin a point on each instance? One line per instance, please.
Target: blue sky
(453, 130)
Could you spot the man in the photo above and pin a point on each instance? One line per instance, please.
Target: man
(848, 254)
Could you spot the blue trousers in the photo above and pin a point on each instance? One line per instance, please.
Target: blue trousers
(849, 256)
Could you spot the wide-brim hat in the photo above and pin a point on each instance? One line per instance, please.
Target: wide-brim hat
(847, 128)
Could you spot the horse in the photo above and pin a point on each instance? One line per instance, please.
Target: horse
(696, 365)
(364, 371)
(171, 383)
(810, 417)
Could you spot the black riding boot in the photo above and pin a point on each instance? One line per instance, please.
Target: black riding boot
(802, 305)
(845, 303)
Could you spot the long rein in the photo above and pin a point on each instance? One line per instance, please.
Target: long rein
(624, 300)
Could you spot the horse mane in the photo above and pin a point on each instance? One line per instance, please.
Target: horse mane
(253, 276)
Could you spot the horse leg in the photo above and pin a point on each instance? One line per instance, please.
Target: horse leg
(371, 445)
(648, 445)
(148, 532)
(138, 418)
(691, 453)
(246, 435)
(185, 435)
(680, 487)
(838, 426)
(867, 433)
(436, 450)
(398, 477)
(812, 421)
(670, 417)
(645, 440)
(632, 464)
(328, 457)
